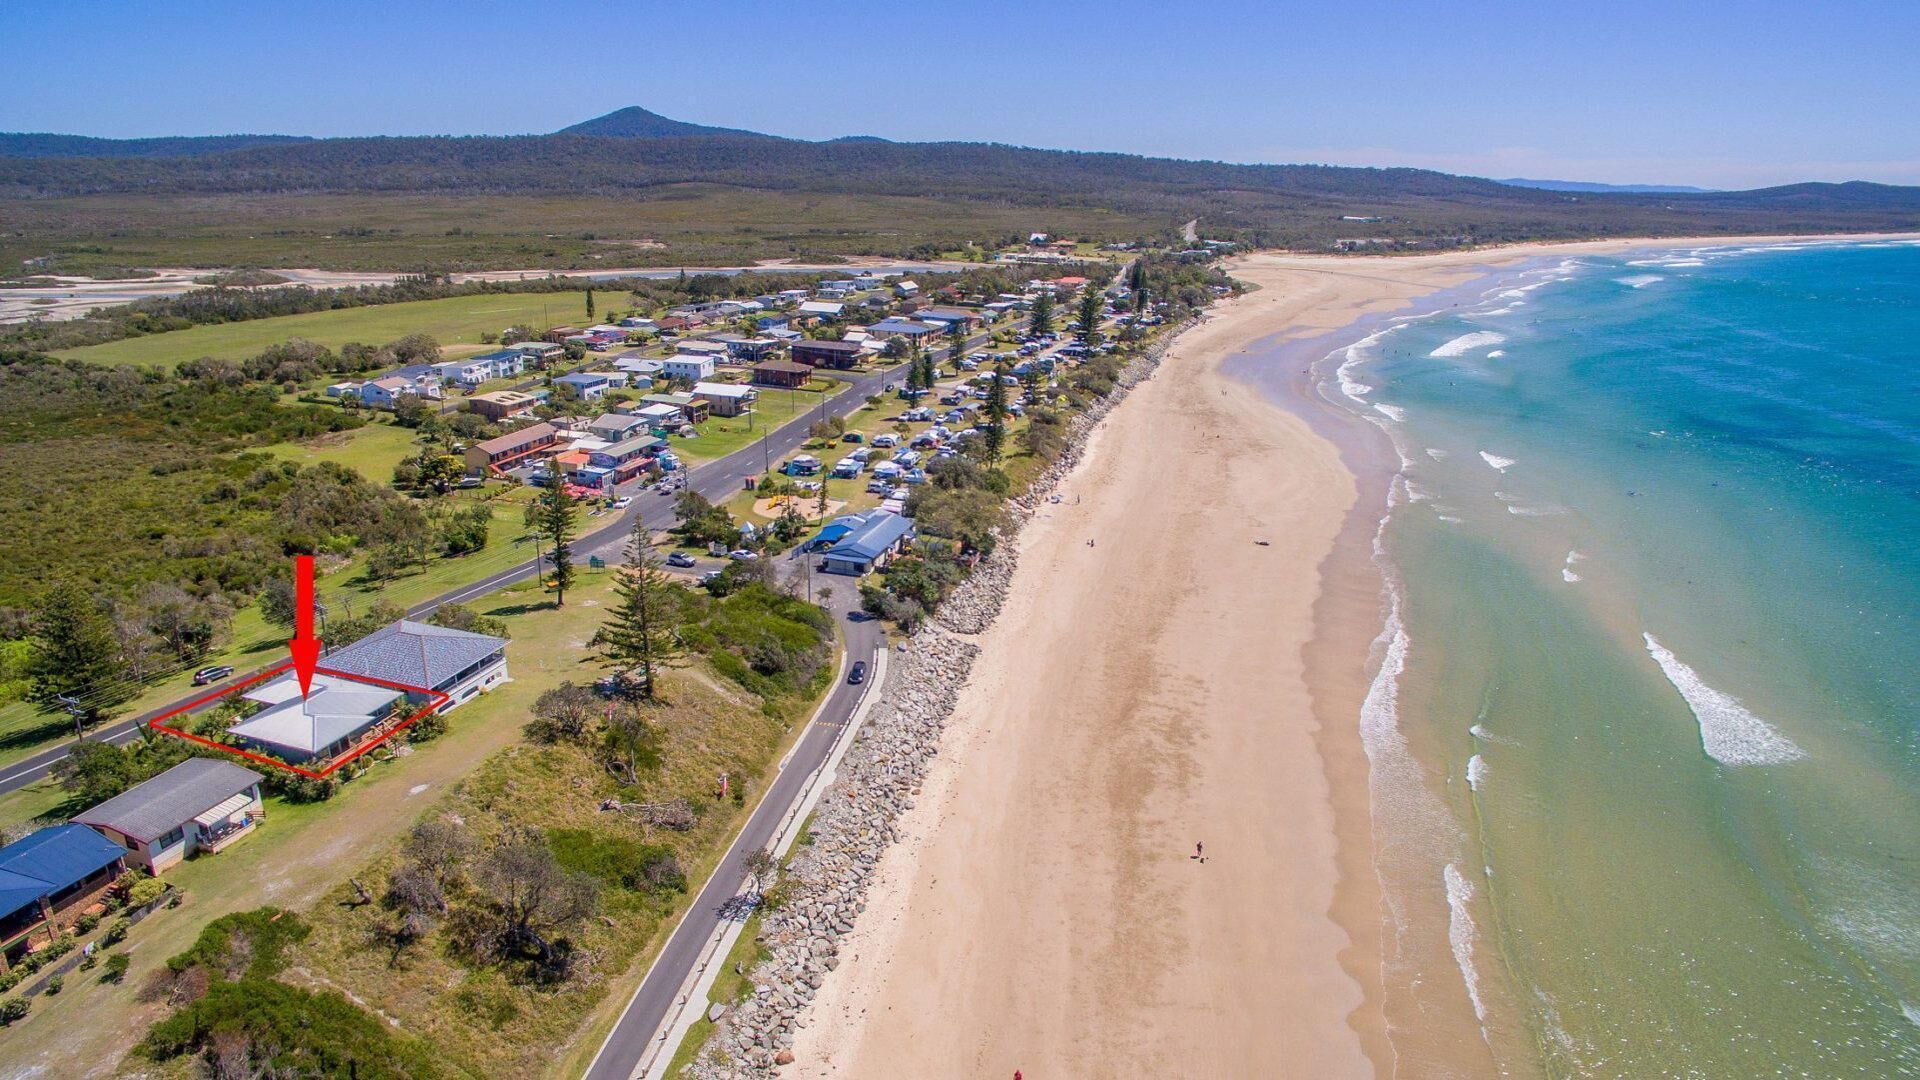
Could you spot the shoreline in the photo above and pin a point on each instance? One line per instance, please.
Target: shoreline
(1004, 928)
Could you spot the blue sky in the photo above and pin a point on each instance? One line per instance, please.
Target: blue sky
(1715, 94)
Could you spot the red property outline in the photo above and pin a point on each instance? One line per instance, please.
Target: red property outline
(436, 698)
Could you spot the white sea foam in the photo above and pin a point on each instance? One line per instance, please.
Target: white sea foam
(1912, 1013)
(1566, 571)
(1478, 731)
(1351, 358)
(1448, 518)
(1729, 732)
(1466, 343)
(1437, 455)
(1519, 510)
(1496, 461)
(1639, 281)
(1460, 934)
(1496, 354)
(1391, 412)
(1476, 771)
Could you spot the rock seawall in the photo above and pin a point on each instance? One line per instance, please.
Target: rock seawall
(826, 884)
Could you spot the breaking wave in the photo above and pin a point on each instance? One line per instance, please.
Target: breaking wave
(1496, 461)
(1466, 343)
(1729, 732)
(1460, 935)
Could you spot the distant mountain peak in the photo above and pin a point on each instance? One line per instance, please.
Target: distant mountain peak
(634, 122)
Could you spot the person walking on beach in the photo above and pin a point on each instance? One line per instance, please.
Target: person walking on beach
(1200, 850)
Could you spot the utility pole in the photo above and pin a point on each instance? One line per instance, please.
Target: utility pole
(77, 711)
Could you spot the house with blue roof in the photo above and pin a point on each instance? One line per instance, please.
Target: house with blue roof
(48, 880)
(858, 544)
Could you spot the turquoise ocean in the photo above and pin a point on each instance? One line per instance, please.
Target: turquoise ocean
(1647, 711)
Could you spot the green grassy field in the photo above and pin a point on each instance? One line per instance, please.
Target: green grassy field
(722, 435)
(457, 321)
(372, 450)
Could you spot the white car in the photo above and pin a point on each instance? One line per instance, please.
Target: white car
(741, 555)
(621, 503)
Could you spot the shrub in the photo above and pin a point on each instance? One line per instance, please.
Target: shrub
(56, 984)
(86, 923)
(117, 964)
(13, 1009)
(145, 891)
(281, 1030)
(117, 932)
(245, 944)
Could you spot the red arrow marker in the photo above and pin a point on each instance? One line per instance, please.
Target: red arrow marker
(304, 646)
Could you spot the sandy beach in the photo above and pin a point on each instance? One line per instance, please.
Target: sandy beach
(1136, 697)
(1192, 676)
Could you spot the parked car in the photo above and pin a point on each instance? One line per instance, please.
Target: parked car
(211, 674)
(852, 436)
(858, 673)
(680, 559)
(741, 555)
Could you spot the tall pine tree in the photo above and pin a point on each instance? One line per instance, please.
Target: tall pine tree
(638, 636)
(557, 513)
(74, 653)
(1041, 321)
(1087, 328)
(589, 303)
(994, 432)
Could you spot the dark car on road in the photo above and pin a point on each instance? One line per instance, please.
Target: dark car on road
(858, 674)
(211, 674)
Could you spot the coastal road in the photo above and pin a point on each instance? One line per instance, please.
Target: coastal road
(639, 1025)
(717, 480)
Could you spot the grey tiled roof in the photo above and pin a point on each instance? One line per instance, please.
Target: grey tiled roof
(413, 654)
(171, 799)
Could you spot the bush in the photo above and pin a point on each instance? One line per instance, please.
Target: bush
(117, 964)
(649, 868)
(117, 932)
(145, 891)
(245, 944)
(56, 984)
(13, 1009)
(86, 923)
(281, 1030)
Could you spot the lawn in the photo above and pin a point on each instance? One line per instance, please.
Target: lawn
(372, 450)
(722, 435)
(459, 320)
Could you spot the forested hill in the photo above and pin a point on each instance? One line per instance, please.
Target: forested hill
(634, 152)
(34, 145)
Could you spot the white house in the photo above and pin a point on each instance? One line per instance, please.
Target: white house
(201, 804)
(361, 685)
(727, 399)
(386, 393)
(822, 309)
(693, 368)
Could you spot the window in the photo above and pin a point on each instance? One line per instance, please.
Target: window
(178, 834)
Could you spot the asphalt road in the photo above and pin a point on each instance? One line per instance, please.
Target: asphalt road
(620, 1056)
(717, 480)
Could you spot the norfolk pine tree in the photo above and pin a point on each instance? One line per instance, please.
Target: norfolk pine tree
(1041, 321)
(557, 524)
(638, 635)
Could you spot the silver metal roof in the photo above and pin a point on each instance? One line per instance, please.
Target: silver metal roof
(166, 802)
